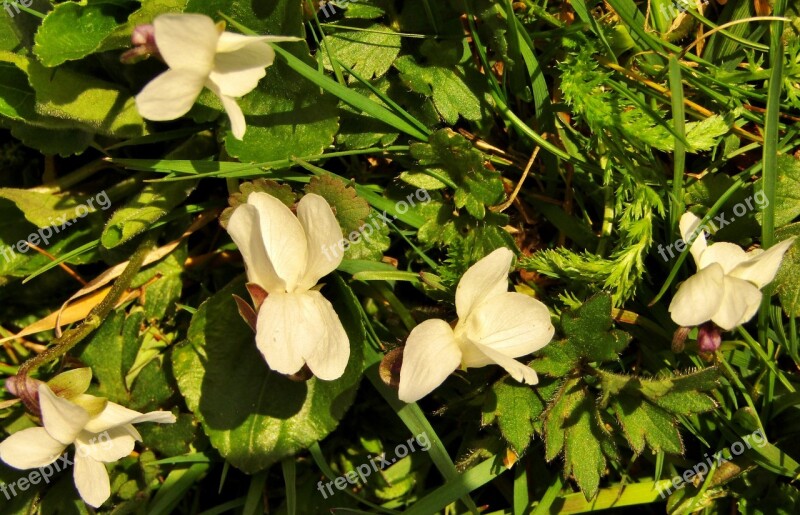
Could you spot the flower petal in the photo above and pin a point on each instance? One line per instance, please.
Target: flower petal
(688, 224)
(115, 415)
(761, 268)
(91, 480)
(430, 355)
(244, 227)
(237, 72)
(520, 372)
(170, 95)
(728, 255)
(230, 41)
(485, 279)
(187, 41)
(30, 448)
(288, 327)
(323, 234)
(327, 358)
(284, 238)
(235, 116)
(699, 297)
(740, 301)
(511, 323)
(108, 446)
(62, 419)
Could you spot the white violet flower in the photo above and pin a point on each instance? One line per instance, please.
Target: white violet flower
(199, 54)
(494, 327)
(286, 256)
(727, 286)
(102, 432)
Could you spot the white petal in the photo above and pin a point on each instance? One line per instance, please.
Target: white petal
(115, 416)
(517, 370)
(237, 72)
(62, 419)
(170, 95)
(699, 297)
(323, 234)
(244, 227)
(30, 448)
(485, 279)
(187, 41)
(235, 116)
(91, 480)
(430, 355)
(728, 255)
(288, 327)
(230, 41)
(283, 236)
(108, 446)
(511, 323)
(328, 357)
(688, 223)
(740, 302)
(761, 268)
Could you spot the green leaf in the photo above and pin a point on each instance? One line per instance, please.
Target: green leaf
(787, 192)
(705, 134)
(451, 87)
(350, 209)
(254, 416)
(555, 423)
(516, 407)
(73, 99)
(788, 278)
(583, 455)
(642, 422)
(686, 403)
(153, 202)
(44, 209)
(369, 52)
(451, 159)
(72, 31)
(588, 336)
(63, 142)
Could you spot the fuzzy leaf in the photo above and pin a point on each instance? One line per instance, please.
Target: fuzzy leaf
(516, 407)
(583, 455)
(369, 52)
(642, 422)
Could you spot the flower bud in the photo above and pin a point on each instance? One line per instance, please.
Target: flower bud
(143, 39)
(709, 337)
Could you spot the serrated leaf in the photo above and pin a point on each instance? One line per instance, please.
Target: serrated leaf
(644, 423)
(704, 135)
(254, 416)
(583, 455)
(369, 52)
(154, 201)
(566, 400)
(72, 31)
(700, 381)
(451, 158)
(445, 84)
(686, 403)
(516, 406)
(46, 209)
(350, 209)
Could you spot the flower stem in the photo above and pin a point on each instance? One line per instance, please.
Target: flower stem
(95, 317)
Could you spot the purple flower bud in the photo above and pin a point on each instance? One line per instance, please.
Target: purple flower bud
(709, 337)
(27, 389)
(143, 39)
(144, 35)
